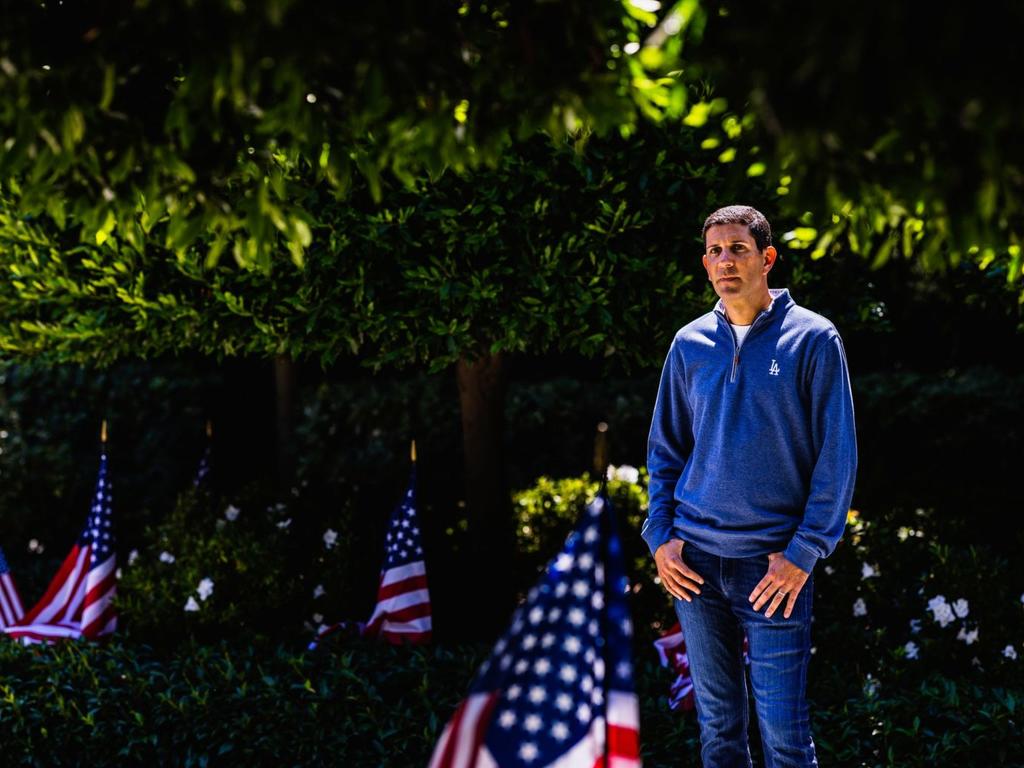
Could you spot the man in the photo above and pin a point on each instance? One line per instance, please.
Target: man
(752, 458)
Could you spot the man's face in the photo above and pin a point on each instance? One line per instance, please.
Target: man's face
(735, 267)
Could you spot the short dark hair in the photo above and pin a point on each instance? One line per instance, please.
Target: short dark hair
(741, 214)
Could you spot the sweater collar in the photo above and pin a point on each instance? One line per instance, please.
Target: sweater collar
(781, 301)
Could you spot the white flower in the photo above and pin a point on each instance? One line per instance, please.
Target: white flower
(871, 685)
(191, 605)
(960, 608)
(1009, 652)
(318, 618)
(133, 556)
(829, 570)
(205, 588)
(117, 573)
(867, 571)
(627, 473)
(859, 608)
(319, 591)
(967, 637)
(911, 649)
(330, 538)
(941, 610)
(35, 546)
(284, 523)
(231, 513)
(166, 557)
(915, 625)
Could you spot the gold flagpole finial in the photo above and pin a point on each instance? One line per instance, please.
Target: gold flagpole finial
(209, 429)
(412, 452)
(103, 431)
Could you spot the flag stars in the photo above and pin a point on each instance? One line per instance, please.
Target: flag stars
(572, 644)
(580, 588)
(560, 731)
(583, 713)
(542, 666)
(547, 641)
(528, 752)
(536, 614)
(507, 719)
(513, 692)
(567, 673)
(537, 694)
(576, 617)
(521, 666)
(563, 702)
(532, 723)
(529, 641)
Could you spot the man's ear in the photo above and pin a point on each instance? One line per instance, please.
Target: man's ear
(770, 254)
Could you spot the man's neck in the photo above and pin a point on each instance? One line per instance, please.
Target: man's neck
(741, 311)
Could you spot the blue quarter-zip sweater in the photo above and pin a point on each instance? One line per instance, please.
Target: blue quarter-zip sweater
(752, 447)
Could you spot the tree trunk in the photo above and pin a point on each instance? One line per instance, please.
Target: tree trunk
(489, 586)
(284, 386)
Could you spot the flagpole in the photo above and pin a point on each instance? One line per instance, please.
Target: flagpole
(601, 455)
(103, 433)
(209, 429)
(601, 468)
(412, 452)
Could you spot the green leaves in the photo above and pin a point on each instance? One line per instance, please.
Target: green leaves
(206, 105)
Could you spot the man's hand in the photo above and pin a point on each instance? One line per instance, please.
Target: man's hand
(676, 576)
(783, 581)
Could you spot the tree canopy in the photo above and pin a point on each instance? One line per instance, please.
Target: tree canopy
(186, 123)
(552, 250)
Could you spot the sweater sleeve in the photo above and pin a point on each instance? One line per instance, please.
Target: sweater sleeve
(835, 441)
(669, 445)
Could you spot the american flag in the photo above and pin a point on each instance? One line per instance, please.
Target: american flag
(10, 603)
(671, 648)
(557, 688)
(402, 613)
(79, 600)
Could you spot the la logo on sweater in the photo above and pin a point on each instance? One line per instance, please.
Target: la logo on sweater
(773, 369)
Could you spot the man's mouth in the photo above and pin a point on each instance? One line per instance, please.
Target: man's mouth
(729, 277)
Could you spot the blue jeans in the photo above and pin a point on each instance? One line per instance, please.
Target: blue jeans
(779, 650)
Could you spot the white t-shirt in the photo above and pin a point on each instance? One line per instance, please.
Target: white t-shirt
(741, 331)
